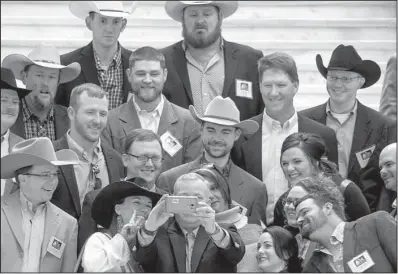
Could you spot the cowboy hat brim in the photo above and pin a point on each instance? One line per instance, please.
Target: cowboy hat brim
(18, 62)
(247, 126)
(369, 69)
(175, 8)
(21, 91)
(12, 162)
(81, 9)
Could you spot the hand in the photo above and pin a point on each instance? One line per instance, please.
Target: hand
(158, 215)
(206, 216)
(129, 231)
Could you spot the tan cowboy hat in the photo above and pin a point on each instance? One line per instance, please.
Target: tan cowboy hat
(81, 9)
(35, 151)
(223, 111)
(44, 55)
(175, 8)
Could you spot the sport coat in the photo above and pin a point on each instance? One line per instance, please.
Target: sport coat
(247, 152)
(371, 128)
(375, 233)
(245, 189)
(85, 57)
(58, 224)
(240, 63)
(61, 118)
(66, 196)
(178, 121)
(167, 252)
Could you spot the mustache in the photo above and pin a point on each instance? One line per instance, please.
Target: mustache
(200, 26)
(217, 143)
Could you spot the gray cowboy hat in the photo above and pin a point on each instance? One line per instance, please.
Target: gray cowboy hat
(81, 9)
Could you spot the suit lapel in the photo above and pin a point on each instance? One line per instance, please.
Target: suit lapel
(12, 211)
(252, 148)
(348, 245)
(125, 64)
(201, 242)
(180, 64)
(87, 62)
(129, 117)
(167, 118)
(235, 182)
(51, 227)
(111, 164)
(231, 64)
(61, 121)
(319, 114)
(177, 240)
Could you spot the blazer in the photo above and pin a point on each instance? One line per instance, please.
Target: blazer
(66, 195)
(61, 118)
(178, 121)
(371, 128)
(245, 189)
(167, 252)
(376, 233)
(10, 186)
(247, 152)
(388, 99)
(85, 57)
(240, 63)
(58, 224)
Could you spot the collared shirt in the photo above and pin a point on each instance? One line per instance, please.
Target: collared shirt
(189, 243)
(111, 78)
(85, 177)
(343, 125)
(5, 146)
(34, 127)
(225, 170)
(33, 228)
(206, 82)
(273, 135)
(149, 120)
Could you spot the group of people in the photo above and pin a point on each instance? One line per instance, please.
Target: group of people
(101, 144)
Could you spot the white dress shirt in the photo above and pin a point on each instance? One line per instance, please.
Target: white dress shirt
(5, 146)
(273, 135)
(150, 120)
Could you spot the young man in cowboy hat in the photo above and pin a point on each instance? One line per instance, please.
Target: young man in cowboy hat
(104, 61)
(41, 72)
(221, 127)
(358, 128)
(36, 235)
(204, 65)
(10, 100)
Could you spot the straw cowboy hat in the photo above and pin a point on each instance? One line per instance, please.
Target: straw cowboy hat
(8, 82)
(35, 151)
(81, 9)
(223, 111)
(44, 55)
(347, 58)
(175, 8)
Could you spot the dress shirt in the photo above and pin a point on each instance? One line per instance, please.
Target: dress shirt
(343, 125)
(85, 178)
(206, 83)
(273, 135)
(225, 170)
(5, 146)
(150, 120)
(33, 228)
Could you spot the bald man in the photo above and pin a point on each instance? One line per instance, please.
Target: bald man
(388, 172)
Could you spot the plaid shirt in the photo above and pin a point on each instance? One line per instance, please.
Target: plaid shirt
(111, 80)
(34, 127)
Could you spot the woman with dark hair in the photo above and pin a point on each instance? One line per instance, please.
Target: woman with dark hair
(277, 251)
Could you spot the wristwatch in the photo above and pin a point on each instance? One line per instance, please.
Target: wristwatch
(148, 232)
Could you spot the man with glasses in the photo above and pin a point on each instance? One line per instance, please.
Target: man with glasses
(358, 128)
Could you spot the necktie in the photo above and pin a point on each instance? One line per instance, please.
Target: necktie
(190, 242)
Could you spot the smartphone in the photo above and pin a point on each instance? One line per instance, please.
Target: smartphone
(181, 204)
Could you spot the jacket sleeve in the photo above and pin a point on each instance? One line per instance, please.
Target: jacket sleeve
(355, 202)
(70, 253)
(146, 255)
(192, 143)
(107, 136)
(386, 228)
(163, 183)
(258, 212)
(388, 99)
(87, 225)
(236, 250)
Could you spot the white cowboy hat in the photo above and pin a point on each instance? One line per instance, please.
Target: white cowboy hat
(44, 55)
(223, 111)
(175, 8)
(35, 151)
(81, 9)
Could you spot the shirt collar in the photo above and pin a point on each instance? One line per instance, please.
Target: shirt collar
(195, 231)
(157, 111)
(6, 135)
(184, 45)
(28, 206)
(117, 58)
(338, 234)
(269, 122)
(27, 113)
(225, 171)
(394, 204)
(353, 110)
(73, 145)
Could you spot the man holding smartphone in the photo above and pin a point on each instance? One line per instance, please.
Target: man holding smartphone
(191, 241)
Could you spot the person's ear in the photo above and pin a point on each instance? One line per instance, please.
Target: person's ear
(117, 209)
(238, 132)
(125, 160)
(71, 113)
(88, 22)
(124, 24)
(328, 208)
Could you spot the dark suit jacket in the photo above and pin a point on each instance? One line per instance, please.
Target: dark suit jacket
(85, 57)
(167, 252)
(376, 233)
(247, 150)
(371, 128)
(245, 189)
(240, 63)
(66, 196)
(178, 121)
(61, 118)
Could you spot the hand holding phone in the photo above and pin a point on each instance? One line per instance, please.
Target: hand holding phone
(181, 204)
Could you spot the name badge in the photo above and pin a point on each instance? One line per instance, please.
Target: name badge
(361, 262)
(170, 144)
(363, 156)
(244, 88)
(56, 247)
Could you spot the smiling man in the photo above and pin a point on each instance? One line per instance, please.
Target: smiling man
(388, 171)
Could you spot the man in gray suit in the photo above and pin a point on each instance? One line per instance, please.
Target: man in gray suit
(221, 127)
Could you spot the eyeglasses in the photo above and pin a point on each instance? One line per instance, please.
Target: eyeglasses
(47, 177)
(95, 169)
(344, 80)
(144, 158)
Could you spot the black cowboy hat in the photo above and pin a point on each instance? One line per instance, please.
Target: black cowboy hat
(103, 206)
(347, 58)
(8, 82)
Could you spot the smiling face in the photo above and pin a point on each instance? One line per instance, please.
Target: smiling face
(267, 259)
(296, 165)
(142, 205)
(295, 194)
(218, 203)
(388, 167)
(341, 93)
(9, 108)
(106, 30)
(310, 218)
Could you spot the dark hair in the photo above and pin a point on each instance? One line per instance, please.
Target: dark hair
(140, 135)
(92, 90)
(147, 54)
(281, 61)
(286, 247)
(20, 171)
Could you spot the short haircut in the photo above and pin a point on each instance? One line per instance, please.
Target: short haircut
(92, 90)
(140, 135)
(147, 54)
(281, 61)
(20, 171)
(192, 176)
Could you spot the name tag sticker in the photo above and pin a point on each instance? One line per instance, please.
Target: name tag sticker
(56, 247)
(244, 88)
(361, 262)
(364, 155)
(170, 144)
